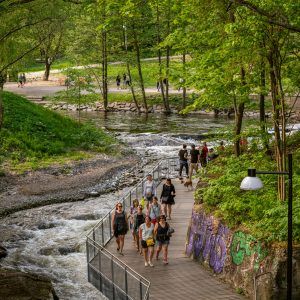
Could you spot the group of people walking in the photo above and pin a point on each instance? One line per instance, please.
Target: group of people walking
(147, 221)
(195, 158)
(21, 80)
(126, 81)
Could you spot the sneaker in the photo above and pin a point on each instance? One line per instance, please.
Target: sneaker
(146, 264)
(165, 262)
(150, 264)
(121, 253)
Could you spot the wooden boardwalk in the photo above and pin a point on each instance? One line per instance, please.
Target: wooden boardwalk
(182, 278)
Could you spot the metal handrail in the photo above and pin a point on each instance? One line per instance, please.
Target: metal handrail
(105, 230)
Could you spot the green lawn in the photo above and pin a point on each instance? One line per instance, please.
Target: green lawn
(34, 137)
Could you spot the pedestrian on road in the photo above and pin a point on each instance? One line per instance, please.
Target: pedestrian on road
(149, 190)
(120, 226)
(146, 234)
(124, 80)
(23, 79)
(195, 158)
(162, 238)
(158, 85)
(167, 197)
(118, 81)
(154, 210)
(138, 220)
(20, 80)
(183, 161)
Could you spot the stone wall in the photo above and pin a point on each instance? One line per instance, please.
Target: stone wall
(238, 258)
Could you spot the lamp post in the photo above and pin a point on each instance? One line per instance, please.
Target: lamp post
(251, 182)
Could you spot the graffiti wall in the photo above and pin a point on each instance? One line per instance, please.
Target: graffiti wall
(212, 242)
(238, 258)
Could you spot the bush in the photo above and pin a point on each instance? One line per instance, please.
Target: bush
(259, 211)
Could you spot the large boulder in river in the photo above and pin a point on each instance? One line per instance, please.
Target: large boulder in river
(16, 285)
(3, 252)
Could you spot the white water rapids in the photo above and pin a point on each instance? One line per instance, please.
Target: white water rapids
(50, 240)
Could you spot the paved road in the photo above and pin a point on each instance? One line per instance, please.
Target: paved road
(41, 89)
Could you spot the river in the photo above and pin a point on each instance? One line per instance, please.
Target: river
(50, 240)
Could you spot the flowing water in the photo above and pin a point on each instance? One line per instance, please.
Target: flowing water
(50, 240)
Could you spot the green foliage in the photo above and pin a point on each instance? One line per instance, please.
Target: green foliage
(259, 211)
(33, 135)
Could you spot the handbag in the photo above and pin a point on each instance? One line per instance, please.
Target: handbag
(150, 242)
(164, 198)
(170, 231)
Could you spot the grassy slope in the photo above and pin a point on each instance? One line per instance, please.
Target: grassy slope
(34, 137)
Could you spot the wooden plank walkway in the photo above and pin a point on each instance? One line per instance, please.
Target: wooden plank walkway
(182, 278)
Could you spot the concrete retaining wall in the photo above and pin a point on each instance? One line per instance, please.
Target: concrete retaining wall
(238, 258)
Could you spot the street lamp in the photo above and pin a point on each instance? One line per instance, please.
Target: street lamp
(251, 182)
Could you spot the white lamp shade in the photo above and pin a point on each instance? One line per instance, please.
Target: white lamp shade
(251, 184)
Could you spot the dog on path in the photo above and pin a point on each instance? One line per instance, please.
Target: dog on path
(188, 183)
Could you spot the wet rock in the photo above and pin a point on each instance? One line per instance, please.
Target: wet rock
(47, 251)
(20, 285)
(86, 217)
(65, 250)
(3, 252)
(45, 225)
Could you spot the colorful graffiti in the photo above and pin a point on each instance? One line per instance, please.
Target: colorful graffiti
(209, 241)
(245, 245)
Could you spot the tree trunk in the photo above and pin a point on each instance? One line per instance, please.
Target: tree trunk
(2, 81)
(184, 80)
(48, 63)
(129, 73)
(239, 114)
(168, 56)
(132, 89)
(160, 79)
(276, 121)
(262, 112)
(104, 71)
(139, 66)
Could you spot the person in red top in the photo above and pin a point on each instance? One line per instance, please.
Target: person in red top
(203, 155)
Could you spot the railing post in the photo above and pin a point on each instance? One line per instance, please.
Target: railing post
(100, 270)
(88, 259)
(102, 233)
(112, 277)
(94, 239)
(126, 283)
(109, 220)
(141, 290)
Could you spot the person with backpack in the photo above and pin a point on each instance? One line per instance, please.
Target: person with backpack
(183, 161)
(162, 236)
(154, 210)
(120, 226)
(138, 220)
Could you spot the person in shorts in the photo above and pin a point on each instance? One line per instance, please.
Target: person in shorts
(162, 238)
(167, 197)
(120, 226)
(146, 234)
(149, 190)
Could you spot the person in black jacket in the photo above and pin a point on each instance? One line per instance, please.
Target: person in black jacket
(167, 197)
